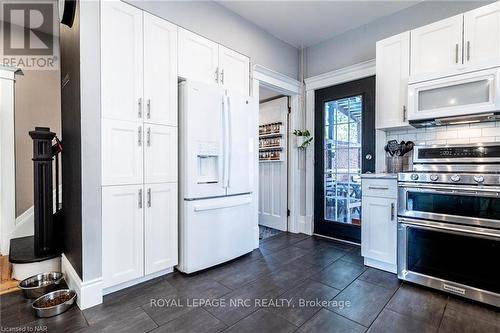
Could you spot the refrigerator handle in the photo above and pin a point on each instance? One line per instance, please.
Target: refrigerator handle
(225, 140)
(229, 141)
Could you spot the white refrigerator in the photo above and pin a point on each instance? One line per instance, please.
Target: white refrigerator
(217, 135)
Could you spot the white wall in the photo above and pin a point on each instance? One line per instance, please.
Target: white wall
(358, 45)
(219, 24)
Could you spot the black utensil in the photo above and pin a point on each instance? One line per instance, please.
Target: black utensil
(393, 146)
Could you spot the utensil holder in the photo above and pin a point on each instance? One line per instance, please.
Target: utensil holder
(394, 164)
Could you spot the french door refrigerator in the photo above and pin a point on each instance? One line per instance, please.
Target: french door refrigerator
(217, 153)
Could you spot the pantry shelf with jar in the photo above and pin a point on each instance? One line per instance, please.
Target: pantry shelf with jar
(270, 142)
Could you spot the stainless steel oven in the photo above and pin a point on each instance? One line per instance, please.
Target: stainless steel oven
(449, 221)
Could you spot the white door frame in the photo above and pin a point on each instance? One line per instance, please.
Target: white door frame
(7, 157)
(293, 88)
(350, 73)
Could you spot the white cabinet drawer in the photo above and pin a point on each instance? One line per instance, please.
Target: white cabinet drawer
(376, 187)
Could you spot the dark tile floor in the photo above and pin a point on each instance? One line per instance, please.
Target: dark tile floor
(291, 283)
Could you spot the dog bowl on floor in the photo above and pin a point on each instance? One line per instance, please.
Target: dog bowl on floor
(40, 284)
(54, 303)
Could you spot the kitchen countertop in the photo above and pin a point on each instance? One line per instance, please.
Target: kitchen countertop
(380, 175)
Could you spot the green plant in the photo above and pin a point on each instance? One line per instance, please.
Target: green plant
(304, 138)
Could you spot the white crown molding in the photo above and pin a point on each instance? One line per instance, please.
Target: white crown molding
(276, 81)
(89, 293)
(346, 74)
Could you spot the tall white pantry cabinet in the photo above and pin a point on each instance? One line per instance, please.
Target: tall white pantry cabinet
(139, 144)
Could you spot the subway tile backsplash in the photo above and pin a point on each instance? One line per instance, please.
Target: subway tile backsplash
(452, 134)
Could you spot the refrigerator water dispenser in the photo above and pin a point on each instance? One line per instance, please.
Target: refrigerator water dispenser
(208, 169)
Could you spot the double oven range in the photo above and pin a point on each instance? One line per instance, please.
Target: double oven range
(449, 220)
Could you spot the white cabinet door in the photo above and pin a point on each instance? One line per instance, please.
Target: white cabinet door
(482, 36)
(122, 160)
(121, 61)
(160, 227)
(392, 71)
(234, 70)
(437, 47)
(160, 71)
(122, 234)
(379, 229)
(160, 154)
(198, 57)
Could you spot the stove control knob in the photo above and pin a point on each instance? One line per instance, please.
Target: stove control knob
(478, 179)
(434, 177)
(414, 176)
(455, 178)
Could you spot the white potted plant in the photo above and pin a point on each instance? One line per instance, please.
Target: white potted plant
(303, 138)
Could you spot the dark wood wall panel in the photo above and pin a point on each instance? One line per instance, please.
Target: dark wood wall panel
(71, 134)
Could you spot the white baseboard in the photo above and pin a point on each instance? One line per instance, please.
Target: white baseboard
(305, 225)
(391, 268)
(89, 293)
(131, 283)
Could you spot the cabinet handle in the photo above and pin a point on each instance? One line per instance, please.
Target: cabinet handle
(140, 198)
(468, 50)
(139, 136)
(456, 53)
(148, 139)
(393, 208)
(404, 113)
(217, 75)
(148, 105)
(149, 197)
(139, 104)
(222, 76)
(377, 188)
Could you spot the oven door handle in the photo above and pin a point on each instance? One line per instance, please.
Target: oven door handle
(456, 229)
(493, 192)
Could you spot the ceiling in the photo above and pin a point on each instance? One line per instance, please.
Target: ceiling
(305, 23)
(267, 94)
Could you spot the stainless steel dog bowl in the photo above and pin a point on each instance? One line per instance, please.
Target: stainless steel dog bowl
(40, 284)
(50, 311)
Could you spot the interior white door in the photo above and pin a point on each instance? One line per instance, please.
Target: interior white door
(122, 152)
(240, 147)
(160, 230)
(392, 72)
(160, 71)
(160, 154)
(234, 70)
(201, 140)
(198, 57)
(482, 36)
(273, 186)
(437, 47)
(122, 234)
(379, 229)
(121, 61)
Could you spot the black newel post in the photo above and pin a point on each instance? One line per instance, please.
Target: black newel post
(45, 238)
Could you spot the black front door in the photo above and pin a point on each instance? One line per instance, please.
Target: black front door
(344, 149)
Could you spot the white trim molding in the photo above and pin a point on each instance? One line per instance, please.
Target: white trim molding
(89, 293)
(7, 157)
(285, 85)
(350, 73)
(346, 74)
(276, 81)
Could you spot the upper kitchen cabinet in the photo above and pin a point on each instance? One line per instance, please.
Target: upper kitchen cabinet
(202, 60)
(121, 61)
(160, 71)
(392, 71)
(437, 47)
(482, 36)
(198, 57)
(234, 70)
